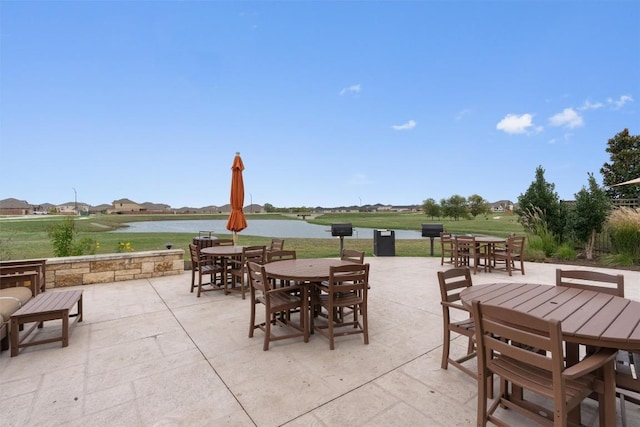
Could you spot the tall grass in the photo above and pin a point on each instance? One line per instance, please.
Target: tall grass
(623, 226)
(541, 239)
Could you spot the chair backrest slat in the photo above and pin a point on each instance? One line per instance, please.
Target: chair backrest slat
(452, 282)
(352, 255)
(280, 255)
(612, 284)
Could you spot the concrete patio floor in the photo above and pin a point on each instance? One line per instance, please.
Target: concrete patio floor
(149, 353)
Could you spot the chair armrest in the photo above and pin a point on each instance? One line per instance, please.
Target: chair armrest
(285, 289)
(591, 363)
(454, 305)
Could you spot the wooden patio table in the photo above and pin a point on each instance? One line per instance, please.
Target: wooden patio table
(309, 270)
(588, 317)
(225, 252)
(490, 242)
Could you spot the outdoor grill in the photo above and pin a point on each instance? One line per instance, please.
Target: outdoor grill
(341, 230)
(432, 231)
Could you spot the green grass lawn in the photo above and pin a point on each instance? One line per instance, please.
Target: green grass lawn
(27, 238)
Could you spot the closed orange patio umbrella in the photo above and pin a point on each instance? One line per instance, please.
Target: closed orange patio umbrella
(237, 222)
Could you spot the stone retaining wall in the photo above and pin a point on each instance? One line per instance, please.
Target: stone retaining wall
(87, 269)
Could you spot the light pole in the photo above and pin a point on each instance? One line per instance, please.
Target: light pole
(75, 198)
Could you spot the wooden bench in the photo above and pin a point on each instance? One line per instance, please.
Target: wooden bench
(22, 266)
(45, 306)
(13, 295)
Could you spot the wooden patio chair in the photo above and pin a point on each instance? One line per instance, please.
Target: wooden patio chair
(222, 242)
(447, 249)
(352, 255)
(505, 338)
(276, 245)
(278, 304)
(237, 267)
(591, 280)
(511, 255)
(203, 265)
(347, 287)
(627, 382)
(452, 282)
(466, 249)
(281, 255)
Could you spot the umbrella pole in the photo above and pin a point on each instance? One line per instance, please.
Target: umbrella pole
(235, 238)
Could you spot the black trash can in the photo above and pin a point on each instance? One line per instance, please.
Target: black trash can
(384, 243)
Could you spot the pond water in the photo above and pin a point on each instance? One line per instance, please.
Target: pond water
(255, 227)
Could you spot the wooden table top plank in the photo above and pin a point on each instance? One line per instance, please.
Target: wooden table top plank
(624, 324)
(564, 305)
(503, 296)
(487, 293)
(583, 307)
(538, 299)
(602, 320)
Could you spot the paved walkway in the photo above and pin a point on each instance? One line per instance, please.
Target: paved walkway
(149, 353)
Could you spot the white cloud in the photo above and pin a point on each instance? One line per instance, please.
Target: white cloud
(619, 103)
(407, 126)
(513, 123)
(568, 118)
(588, 105)
(351, 89)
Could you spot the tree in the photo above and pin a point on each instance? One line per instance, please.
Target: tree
(454, 207)
(624, 165)
(477, 205)
(589, 215)
(541, 196)
(268, 207)
(431, 208)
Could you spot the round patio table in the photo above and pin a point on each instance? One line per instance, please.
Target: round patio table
(303, 270)
(225, 252)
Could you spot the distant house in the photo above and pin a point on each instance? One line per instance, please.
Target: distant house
(501, 206)
(72, 208)
(103, 208)
(125, 205)
(128, 206)
(15, 207)
(148, 207)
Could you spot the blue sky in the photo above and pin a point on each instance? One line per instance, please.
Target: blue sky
(329, 103)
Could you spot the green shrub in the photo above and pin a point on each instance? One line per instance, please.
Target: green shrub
(545, 243)
(62, 237)
(566, 251)
(624, 228)
(622, 260)
(534, 255)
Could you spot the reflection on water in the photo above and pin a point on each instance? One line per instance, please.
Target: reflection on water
(255, 227)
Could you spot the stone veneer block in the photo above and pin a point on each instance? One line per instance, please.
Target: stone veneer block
(67, 279)
(164, 266)
(101, 277)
